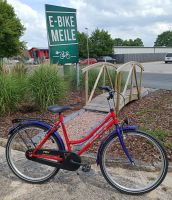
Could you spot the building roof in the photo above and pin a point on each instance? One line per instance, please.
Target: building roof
(41, 48)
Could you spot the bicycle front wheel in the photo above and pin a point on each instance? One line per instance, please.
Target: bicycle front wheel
(145, 174)
(26, 137)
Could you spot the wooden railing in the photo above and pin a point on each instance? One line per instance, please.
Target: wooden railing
(129, 84)
(103, 71)
(118, 82)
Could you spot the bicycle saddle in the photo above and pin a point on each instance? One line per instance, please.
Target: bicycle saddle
(58, 109)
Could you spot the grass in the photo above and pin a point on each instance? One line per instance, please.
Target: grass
(12, 91)
(157, 133)
(46, 86)
(42, 87)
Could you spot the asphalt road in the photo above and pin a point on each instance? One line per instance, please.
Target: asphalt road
(157, 81)
(157, 75)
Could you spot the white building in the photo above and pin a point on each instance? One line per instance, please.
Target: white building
(137, 50)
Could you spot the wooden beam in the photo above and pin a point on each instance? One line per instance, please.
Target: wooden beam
(118, 97)
(131, 89)
(126, 84)
(141, 78)
(86, 87)
(138, 92)
(95, 84)
(109, 77)
(104, 78)
(99, 64)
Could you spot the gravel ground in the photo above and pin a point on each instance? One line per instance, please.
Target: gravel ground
(81, 125)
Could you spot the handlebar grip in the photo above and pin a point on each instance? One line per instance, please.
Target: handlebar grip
(106, 88)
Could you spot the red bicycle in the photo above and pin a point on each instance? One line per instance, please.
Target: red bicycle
(131, 161)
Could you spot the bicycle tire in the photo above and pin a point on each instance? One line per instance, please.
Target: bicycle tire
(125, 173)
(18, 150)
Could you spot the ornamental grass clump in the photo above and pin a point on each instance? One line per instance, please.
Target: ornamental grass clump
(46, 86)
(12, 89)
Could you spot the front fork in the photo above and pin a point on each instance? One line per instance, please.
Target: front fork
(121, 139)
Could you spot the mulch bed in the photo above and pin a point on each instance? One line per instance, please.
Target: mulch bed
(152, 113)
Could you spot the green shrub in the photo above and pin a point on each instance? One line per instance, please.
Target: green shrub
(70, 76)
(47, 86)
(11, 92)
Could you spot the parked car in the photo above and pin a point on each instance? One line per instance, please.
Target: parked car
(106, 59)
(29, 61)
(168, 58)
(85, 61)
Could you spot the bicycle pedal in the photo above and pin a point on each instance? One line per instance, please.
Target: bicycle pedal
(86, 168)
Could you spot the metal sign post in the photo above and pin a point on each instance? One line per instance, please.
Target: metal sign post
(77, 75)
(62, 34)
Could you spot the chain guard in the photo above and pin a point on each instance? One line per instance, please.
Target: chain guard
(72, 161)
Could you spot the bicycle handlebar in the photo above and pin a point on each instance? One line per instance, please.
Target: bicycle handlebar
(111, 92)
(106, 88)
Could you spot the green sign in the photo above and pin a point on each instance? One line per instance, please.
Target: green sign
(62, 34)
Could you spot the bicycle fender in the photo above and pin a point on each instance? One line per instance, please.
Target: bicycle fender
(112, 134)
(40, 123)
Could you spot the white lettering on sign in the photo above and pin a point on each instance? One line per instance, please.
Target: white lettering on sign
(65, 28)
(55, 35)
(73, 34)
(62, 35)
(59, 20)
(51, 21)
(65, 21)
(72, 21)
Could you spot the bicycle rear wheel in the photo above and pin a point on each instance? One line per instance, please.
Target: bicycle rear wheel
(23, 139)
(150, 163)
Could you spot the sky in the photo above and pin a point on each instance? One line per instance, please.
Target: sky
(121, 18)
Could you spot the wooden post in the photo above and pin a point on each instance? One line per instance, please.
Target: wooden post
(131, 89)
(77, 75)
(107, 72)
(116, 81)
(140, 85)
(138, 92)
(104, 77)
(118, 91)
(86, 87)
(95, 84)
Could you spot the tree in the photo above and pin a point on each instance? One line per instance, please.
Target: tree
(82, 39)
(100, 43)
(136, 42)
(130, 42)
(164, 39)
(11, 30)
(118, 42)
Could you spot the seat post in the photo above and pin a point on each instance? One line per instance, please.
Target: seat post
(60, 117)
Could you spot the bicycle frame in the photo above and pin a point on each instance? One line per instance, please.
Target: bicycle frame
(108, 122)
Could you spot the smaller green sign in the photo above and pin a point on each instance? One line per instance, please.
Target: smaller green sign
(62, 34)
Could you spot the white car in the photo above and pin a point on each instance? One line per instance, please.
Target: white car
(168, 58)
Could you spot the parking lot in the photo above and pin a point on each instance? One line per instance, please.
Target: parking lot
(157, 75)
(159, 67)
